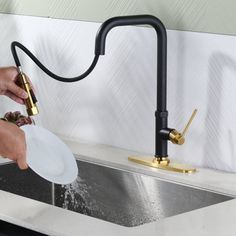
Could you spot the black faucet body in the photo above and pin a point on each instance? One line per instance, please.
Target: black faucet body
(161, 115)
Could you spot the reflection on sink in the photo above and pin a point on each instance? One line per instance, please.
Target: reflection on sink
(117, 196)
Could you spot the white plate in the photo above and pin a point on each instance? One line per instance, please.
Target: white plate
(48, 156)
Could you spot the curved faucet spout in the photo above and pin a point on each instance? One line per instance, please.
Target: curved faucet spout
(161, 114)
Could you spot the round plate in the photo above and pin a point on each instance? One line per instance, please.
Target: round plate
(48, 156)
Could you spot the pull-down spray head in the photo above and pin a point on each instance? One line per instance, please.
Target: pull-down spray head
(30, 101)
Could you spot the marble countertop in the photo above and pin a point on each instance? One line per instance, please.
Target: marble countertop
(214, 220)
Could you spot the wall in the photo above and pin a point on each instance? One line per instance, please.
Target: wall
(115, 104)
(215, 16)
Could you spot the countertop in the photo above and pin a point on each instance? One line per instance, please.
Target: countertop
(214, 220)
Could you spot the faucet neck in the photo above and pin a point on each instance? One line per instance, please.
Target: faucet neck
(161, 112)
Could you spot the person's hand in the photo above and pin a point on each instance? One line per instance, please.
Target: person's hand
(8, 86)
(13, 144)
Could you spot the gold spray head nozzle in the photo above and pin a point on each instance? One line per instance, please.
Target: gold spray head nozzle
(30, 101)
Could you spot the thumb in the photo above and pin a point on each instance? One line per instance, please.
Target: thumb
(22, 163)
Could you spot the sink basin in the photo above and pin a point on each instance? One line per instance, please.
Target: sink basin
(113, 195)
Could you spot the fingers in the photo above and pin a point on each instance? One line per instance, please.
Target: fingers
(14, 97)
(9, 83)
(17, 91)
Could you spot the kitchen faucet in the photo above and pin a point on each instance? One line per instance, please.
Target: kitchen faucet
(162, 133)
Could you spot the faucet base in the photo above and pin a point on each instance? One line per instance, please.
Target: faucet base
(162, 163)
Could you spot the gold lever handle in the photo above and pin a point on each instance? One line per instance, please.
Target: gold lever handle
(177, 137)
(189, 122)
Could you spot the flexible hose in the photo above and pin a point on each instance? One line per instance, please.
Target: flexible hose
(47, 71)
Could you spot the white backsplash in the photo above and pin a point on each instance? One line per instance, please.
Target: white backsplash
(115, 104)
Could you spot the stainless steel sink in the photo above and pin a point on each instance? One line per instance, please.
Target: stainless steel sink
(113, 195)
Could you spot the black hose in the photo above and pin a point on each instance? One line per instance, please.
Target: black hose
(47, 71)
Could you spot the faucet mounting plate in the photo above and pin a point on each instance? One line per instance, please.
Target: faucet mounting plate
(165, 164)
